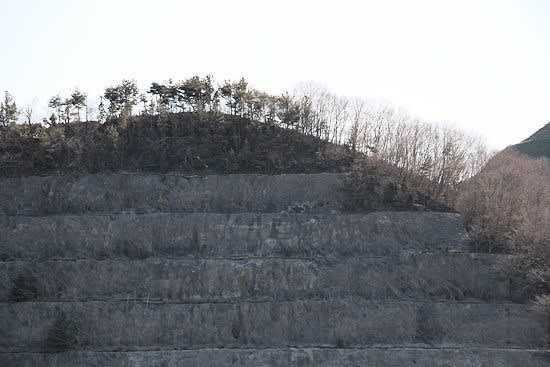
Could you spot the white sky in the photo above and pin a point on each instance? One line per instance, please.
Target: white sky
(483, 66)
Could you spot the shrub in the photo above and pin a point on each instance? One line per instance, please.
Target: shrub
(62, 336)
(507, 209)
(25, 288)
(372, 184)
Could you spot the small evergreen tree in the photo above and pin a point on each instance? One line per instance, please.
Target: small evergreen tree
(8, 110)
(78, 101)
(56, 104)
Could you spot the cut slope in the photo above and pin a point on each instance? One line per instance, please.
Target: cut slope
(126, 270)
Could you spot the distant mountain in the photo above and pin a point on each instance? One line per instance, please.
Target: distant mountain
(537, 145)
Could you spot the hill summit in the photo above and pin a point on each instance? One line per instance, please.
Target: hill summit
(537, 145)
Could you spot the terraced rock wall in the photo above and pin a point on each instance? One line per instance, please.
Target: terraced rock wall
(246, 270)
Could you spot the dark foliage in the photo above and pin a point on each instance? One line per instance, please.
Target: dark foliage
(374, 185)
(25, 288)
(62, 335)
(186, 142)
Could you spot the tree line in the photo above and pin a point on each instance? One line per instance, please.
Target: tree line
(443, 155)
(195, 94)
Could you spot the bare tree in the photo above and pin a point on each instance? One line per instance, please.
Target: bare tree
(27, 113)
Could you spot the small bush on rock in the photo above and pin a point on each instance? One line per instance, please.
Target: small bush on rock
(62, 335)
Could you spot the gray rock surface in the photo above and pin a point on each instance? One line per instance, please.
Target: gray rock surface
(335, 322)
(435, 276)
(227, 235)
(246, 270)
(300, 357)
(114, 193)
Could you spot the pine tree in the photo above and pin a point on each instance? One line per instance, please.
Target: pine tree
(8, 110)
(56, 104)
(78, 101)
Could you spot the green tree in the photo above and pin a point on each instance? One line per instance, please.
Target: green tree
(67, 110)
(143, 99)
(52, 121)
(226, 92)
(8, 110)
(129, 92)
(271, 109)
(236, 96)
(198, 93)
(165, 96)
(257, 103)
(122, 98)
(62, 107)
(101, 113)
(56, 104)
(288, 111)
(241, 96)
(78, 101)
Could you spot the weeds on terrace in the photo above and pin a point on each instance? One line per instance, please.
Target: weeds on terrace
(25, 288)
(62, 335)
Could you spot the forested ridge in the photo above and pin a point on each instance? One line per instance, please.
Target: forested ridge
(199, 126)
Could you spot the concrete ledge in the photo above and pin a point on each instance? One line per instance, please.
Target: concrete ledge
(345, 322)
(171, 193)
(421, 276)
(311, 357)
(227, 235)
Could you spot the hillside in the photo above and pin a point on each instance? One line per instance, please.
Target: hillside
(209, 239)
(246, 270)
(537, 145)
(184, 142)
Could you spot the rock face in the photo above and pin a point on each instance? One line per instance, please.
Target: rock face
(171, 193)
(246, 270)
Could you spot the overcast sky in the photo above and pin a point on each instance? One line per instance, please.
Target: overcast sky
(483, 66)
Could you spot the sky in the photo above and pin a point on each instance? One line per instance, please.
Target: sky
(482, 66)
